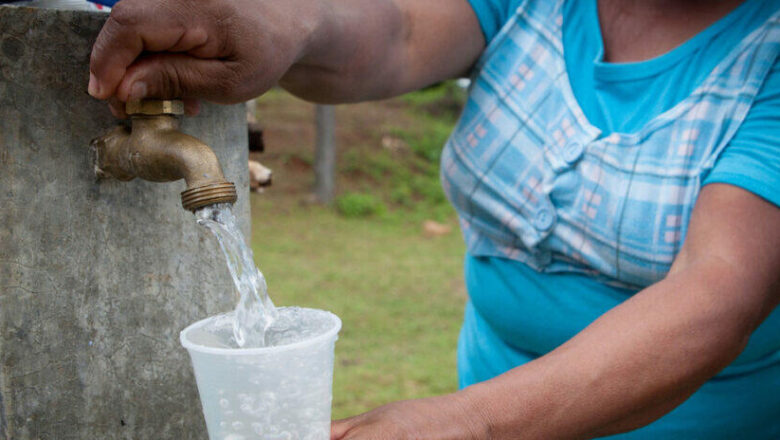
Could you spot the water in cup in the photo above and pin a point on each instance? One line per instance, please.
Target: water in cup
(262, 372)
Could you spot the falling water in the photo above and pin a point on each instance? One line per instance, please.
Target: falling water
(254, 312)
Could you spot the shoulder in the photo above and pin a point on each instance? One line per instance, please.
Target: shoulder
(751, 160)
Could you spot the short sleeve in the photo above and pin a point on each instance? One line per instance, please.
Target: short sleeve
(492, 14)
(751, 160)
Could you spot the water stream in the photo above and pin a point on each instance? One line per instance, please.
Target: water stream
(272, 393)
(255, 312)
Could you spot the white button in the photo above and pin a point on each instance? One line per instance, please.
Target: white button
(544, 219)
(572, 152)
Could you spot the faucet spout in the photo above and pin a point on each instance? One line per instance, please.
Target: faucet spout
(154, 149)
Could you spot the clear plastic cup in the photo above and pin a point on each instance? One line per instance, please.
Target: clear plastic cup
(281, 392)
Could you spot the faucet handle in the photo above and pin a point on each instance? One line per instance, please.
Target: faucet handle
(153, 107)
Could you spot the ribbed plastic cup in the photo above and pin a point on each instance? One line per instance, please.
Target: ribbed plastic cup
(279, 392)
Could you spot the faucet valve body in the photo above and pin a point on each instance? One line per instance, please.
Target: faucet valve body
(154, 149)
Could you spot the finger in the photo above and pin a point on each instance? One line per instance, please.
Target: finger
(117, 108)
(170, 76)
(137, 26)
(191, 107)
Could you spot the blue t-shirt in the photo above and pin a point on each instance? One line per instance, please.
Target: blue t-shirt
(517, 314)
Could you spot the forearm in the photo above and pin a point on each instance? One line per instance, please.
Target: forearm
(629, 367)
(352, 53)
(321, 50)
(369, 49)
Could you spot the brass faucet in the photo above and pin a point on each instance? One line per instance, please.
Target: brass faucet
(154, 149)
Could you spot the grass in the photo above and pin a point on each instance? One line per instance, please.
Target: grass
(399, 294)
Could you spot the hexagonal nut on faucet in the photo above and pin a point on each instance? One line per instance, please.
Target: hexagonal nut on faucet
(152, 107)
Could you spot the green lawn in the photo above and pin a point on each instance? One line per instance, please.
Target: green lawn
(400, 296)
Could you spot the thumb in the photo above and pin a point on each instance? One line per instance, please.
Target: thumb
(170, 75)
(340, 428)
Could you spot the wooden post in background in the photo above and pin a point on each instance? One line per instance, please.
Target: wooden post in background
(325, 159)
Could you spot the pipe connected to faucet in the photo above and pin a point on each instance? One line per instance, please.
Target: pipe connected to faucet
(154, 149)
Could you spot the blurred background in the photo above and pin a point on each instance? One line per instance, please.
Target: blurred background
(385, 254)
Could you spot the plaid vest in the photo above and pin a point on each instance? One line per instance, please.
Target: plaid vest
(532, 180)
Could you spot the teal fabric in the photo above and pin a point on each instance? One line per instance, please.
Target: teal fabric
(752, 159)
(517, 314)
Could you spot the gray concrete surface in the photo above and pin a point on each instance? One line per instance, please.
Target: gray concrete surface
(96, 279)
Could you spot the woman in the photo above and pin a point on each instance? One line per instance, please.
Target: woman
(616, 171)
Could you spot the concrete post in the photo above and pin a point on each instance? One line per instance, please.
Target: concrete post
(96, 279)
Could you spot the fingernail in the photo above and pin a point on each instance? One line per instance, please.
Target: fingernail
(93, 88)
(138, 90)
